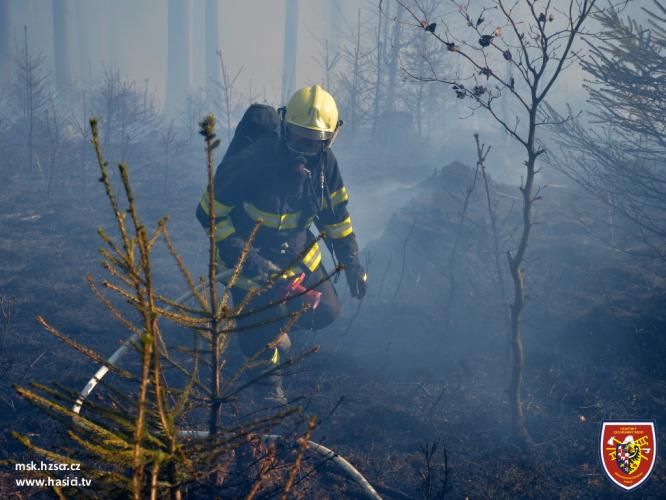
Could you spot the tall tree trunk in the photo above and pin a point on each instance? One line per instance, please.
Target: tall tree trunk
(5, 42)
(380, 59)
(61, 46)
(84, 43)
(290, 49)
(334, 26)
(179, 63)
(212, 45)
(518, 277)
(419, 85)
(355, 97)
(393, 62)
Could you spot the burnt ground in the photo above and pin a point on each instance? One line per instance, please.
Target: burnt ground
(387, 383)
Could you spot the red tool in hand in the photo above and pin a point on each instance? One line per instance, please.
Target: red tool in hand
(310, 297)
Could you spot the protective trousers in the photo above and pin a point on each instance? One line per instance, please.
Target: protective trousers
(258, 325)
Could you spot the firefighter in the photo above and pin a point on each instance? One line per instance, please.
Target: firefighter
(290, 182)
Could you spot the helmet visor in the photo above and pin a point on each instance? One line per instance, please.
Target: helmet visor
(308, 133)
(304, 141)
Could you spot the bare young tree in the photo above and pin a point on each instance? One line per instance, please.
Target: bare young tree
(54, 136)
(194, 107)
(619, 155)
(31, 90)
(537, 39)
(128, 112)
(226, 96)
(171, 146)
(418, 53)
(353, 82)
(327, 62)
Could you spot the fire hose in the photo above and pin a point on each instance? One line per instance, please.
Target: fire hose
(343, 464)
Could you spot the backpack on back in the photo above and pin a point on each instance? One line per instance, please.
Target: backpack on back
(259, 121)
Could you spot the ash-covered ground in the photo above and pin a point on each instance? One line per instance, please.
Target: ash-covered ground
(424, 359)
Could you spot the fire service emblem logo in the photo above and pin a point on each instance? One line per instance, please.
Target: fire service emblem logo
(628, 452)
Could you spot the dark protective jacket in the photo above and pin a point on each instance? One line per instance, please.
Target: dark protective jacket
(263, 181)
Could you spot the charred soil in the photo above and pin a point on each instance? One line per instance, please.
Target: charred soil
(396, 378)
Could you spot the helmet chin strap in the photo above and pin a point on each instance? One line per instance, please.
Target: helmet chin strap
(330, 142)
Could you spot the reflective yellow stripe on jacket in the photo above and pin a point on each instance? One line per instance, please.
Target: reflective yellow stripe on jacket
(224, 229)
(339, 196)
(272, 220)
(221, 210)
(339, 230)
(311, 260)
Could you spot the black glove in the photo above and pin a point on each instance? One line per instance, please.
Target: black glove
(256, 265)
(357, 279)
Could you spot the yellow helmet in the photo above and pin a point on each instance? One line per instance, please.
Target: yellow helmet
(312, 113)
